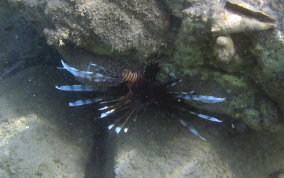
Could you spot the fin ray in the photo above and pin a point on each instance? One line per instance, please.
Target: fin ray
(192, 129)
(84, 102)
(76, 88)
(203, 116)
(201, 98)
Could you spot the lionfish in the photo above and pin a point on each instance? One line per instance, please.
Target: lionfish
(123, 95)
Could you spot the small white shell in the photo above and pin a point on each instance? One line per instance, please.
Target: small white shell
(225, 49)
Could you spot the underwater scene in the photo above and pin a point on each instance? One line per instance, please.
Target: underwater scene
(142, 88)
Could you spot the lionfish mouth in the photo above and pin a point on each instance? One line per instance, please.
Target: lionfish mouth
(124, 95)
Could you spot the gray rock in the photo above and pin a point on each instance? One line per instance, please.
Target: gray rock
(160, 148)
(199, 56)
(21, 46)
(38, 136)
(117, 28)
(94, 25)
(41, 136)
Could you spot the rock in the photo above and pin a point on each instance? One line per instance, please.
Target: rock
(230, 23)
(200, 59)
(248, 10)
(40, 133)
(156, 146)
(238, 16)
(170, 153)
(99, 26)
(194, 55)
(120, 26)
(40, 136)
(270, 54)
(21, 46)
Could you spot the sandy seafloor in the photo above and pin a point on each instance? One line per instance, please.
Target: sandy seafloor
(40, 136)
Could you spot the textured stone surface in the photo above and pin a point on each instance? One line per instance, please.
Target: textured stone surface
(41, 136)
(250, 99)
(96, 25)
(162, 148)
(141, 28)
(21, 46)
(185, 32)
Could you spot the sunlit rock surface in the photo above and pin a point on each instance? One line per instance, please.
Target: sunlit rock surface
(40, 134)
(100, 26)
(187, 32)
(242, 75)
(42, 137)
(162, 148)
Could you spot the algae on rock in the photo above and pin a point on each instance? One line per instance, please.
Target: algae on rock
(251, 80)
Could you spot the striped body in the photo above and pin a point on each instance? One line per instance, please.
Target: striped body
(132, 77)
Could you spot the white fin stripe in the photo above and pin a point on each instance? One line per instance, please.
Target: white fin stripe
(83, 102)
(203, 116)
(76, 88)
(192, 129)
(201, 98)
(76, 72)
